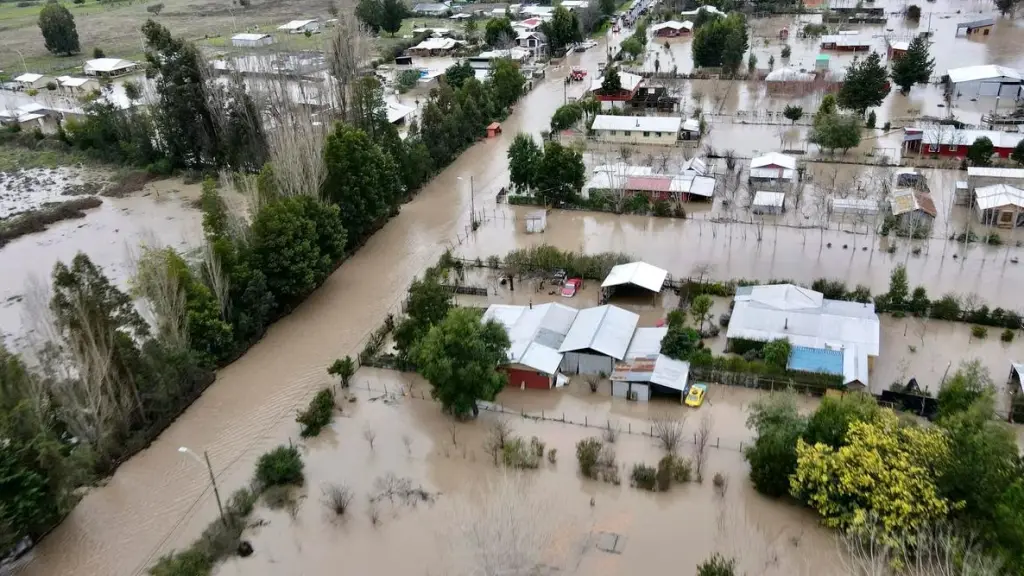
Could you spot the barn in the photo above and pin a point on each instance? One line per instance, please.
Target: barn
(598, 338)
(980, 81)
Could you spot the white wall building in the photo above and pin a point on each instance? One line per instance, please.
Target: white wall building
(108, 67)
(251, 40)
(300, 27)
(31, 81)
(988, 80)
(661, 130)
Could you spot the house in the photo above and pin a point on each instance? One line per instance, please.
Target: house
(896, 48)
(630, 83)
(772, 168)
(690, 129)
(808, 320)
(31, 81)
(434, 47)
(31, 117)
(854, 12)
(397, 113)
(645, 372)
(979, 176)
(706, 8)
(251, 40)
(635, 274)
(657, 130)
(788, 77)
(598, 337)
(77, 86)
(1000, 205)
(672, 29)
(846, 42)
(910, 203)
(534, 42)
(535, 334)
(529, 25)
(653, 98)
(432, 9)
(539, 12)
(484, 60)
(571, 5)
(300, 27)
(692, 184)
(109, 67)
(982, 27)
(767, 202)
(946, 141)
(988, 80)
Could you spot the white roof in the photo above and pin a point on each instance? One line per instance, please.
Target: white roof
(295, 24)
(535, 333)
(70, 82)
(646, 341)
(436, 44)
(673, 24)
(997, 195)
(639, 274)
(985, 72)
(604, 329)
(510, 53)
(855, 204)
(460, 16)
(805, 318)
(28, 77)
(774, 159)
(707, 8)
(900, 45)
(691, 125)
(944, 135)
(107, 64)
(249, 37)
(638, 123)
(847, 39)
(654, 368)
(763, 198)
(988, 172)
(855, 366)
(629, 81)
(396, 111)
(772, 174)
(788, 75)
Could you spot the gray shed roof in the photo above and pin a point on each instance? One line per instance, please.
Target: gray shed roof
(604, 329)
(534, 333)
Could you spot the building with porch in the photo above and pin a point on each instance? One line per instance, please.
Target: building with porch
(630, 84)
(1000, 205)
(947, 141)
(109, 67)
(640, 275)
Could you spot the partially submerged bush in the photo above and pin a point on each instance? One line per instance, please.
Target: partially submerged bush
(588, 451)
(1007, 335)
(644, 476)
(979, 332)
(281, 466)
(517, 453)
(678, 468)
(337, 498)
(318, 415)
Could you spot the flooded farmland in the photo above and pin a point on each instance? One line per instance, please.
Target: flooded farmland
(159, 501)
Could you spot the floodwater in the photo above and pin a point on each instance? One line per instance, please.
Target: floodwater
(26, 190)
(159, 501)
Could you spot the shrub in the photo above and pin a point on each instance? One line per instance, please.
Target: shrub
(979, 332)
(776, 353)
(717, 565)
(188, 563)
(553, 455)
(98, 52)
(644, 476)
(280, 467)
(318, 415)
(51, 85)
(786, 51)
(155, 8)
(517, 453)
(337, 498)
(1007, 335)
(672, 468)
(946, 308)
(588, 452)
(872, 119)
(913, 12)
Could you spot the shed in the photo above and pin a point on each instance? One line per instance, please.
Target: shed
(981, 27)
(108, 67)
(772, 168)
(251, 40)
(1000, 205)
(78, 85)
(985, 80)
(821, 62)
(913, 209)
(31, 81)
(766, 202)
(493, 129)
(598, 337)
(639, 377)
(788, 75)
(865, 206)
(300, 26)
(639, 274)
(536, 221)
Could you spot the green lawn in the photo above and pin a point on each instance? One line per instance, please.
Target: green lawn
(9, 11)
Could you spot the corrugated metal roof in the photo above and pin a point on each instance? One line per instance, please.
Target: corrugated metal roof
(862, 205)
(846, 40)
(823, 360)
(638, 123)
(791, 312)
(604, 329)
(774, 159)
(772, 174)
(984, 72)
(988, 197)
(855, 366)
(763, 198)
(905, 200)
(655, 369)
(29, 77)
(639, 274)
(541, 358)
(646, 341)
(988, 172)
(534, 333)
(629, 81)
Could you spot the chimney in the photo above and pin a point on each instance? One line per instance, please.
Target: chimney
(637, 122)
(786, 325)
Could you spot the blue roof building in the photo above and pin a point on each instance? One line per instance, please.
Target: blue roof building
(823, 360)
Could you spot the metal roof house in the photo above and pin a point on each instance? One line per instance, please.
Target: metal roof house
(767, 202)
(672, 29)
(772, 168)
(626, 179)
(108, 67)
(535, 333)
(248, 40)
(645, 370)
(981, 27)
(987, 80)
(807, 319)
(598, 337)
(1000, 205)
(663, 130)
(431, 9)
(300, 26)
(31, 81)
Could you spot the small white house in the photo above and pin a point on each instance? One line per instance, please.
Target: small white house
(661, 130)
(300, 27)
(251, 40)
(108, 67)
(772, 168)
(31, 81)
(73, 85)
(768, 202)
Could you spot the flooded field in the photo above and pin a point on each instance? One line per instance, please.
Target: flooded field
(29, 189)
(159, 501)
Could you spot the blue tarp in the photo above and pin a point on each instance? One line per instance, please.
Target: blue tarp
(820, 360)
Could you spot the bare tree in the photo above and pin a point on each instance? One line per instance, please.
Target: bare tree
(154, 281)
(700, 446)
(369, 435)
(668, 431)
(337, 498)
(930, 551)
(349, 51)
(498, 434)
(503, 531)
(611, 433)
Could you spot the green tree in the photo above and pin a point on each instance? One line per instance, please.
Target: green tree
(968, 384)
(980, 152)
(717, 565)
(392, 13)
(680, 342)
(898, 296)
(370, 13)
(428, 304)
(913, 12)
(187, 125)
(611, 83)
(835, 131)
(344, 369)
(632, 46)
(506, 82)
(830, 422)
(865, 84)
(563, 29)
(721, 42)
(914, 67)
(498, 32)
(524, 157)
(471, 29)
(60, 35)
(776, 353)
(457, 74)
(566, 117)
(460, 358)
(793, 113)
(608, 7)
(699, 309)
(245, 146)
(1018, 153)
(295, 243)
(778, 425)
(560, 174)
(1006, 6)
(361, 181)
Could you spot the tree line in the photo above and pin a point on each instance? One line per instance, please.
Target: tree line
(108, 381)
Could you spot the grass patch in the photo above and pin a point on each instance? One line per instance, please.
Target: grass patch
(13, 157)
(38, 220)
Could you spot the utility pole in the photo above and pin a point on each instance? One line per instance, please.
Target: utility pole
(472, 205)
(216, 492)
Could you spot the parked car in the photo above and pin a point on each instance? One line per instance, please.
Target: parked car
(571, 286)
(588, 44)
(696, 395)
